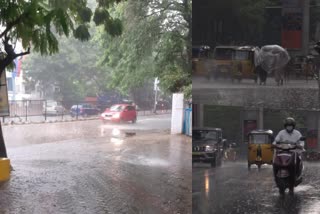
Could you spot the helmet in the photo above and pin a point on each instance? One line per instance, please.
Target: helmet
(289, 121)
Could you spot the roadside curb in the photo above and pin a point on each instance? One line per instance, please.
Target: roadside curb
(11, 123)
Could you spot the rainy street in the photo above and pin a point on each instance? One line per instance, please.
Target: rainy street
(91, 167)
(234, 189)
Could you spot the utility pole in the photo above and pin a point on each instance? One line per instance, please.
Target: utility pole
(305, 27)
(156, 88)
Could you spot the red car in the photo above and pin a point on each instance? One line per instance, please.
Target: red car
(120, 113)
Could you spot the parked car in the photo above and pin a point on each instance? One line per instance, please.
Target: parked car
(120, 113)
(83, 110)
(208, 145)
(51, 107)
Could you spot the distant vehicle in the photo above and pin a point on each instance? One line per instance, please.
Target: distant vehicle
(52, 107)
(235, 62)
(83, 110)
(201, 60)
(163, 105)
(107, 99)
(120, 113)
(208, 146)
(260, 148)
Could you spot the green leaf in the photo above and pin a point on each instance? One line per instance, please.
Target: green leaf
(100, 16)
(82, 33)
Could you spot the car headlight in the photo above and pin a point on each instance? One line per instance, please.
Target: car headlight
(209, 148)
(117, 115)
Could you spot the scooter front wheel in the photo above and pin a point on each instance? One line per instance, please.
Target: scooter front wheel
(281, 191)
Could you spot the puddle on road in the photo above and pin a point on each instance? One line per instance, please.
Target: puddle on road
(145, 161)
(314, 207)
(303, 188)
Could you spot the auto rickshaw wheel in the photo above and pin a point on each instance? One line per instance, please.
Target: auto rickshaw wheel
(259, 167)
(249, 166)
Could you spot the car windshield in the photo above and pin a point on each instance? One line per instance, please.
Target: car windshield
(259, 139)
(204, 135)
(116, 108)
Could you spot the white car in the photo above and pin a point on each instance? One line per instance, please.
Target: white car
(51, 107)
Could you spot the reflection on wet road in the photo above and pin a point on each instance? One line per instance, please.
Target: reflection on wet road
(90, 172)
(233, 189)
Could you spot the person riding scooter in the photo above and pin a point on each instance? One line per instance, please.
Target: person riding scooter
(289, 133)
(287, 158)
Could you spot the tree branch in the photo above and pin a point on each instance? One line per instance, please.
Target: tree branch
(11, 25)
(23, 53)
(157, 10)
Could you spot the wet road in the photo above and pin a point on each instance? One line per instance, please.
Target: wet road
(233, 189)
(88, 167)
(43, 133)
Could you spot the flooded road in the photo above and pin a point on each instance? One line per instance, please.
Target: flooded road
(88, 167)
(233, 189)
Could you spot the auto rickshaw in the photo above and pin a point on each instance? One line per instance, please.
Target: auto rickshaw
(260, 149)
(235, 62)
(201, 62)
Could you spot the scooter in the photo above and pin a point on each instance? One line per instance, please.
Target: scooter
(287, 166)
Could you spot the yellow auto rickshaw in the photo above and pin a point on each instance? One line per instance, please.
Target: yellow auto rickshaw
(201, 62)
(235, 62)
(260, 149)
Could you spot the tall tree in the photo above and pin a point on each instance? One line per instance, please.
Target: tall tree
(155, 42)
(73, 69)
(33, 23)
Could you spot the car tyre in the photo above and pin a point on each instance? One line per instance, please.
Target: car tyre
(134, 120)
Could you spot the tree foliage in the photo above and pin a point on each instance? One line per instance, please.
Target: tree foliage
(155, 42)
(237, 21)
(73, 70)
(35, 22)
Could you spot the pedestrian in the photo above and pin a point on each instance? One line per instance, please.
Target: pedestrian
(279, 75)
(262, 73)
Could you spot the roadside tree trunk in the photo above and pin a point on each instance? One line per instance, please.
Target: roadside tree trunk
(10, 56)
(3, 150)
